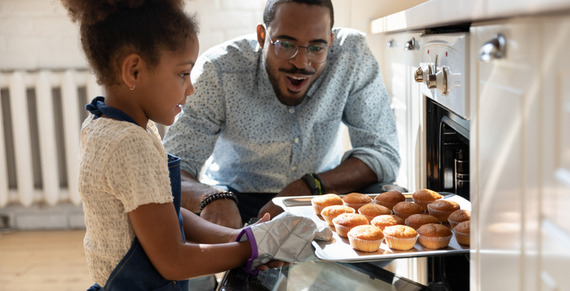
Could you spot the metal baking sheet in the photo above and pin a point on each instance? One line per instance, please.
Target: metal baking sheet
(338, 248)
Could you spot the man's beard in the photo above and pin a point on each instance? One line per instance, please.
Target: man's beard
(285, 99)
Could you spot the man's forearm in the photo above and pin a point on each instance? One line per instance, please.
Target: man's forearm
(193, 192)
(351, 175)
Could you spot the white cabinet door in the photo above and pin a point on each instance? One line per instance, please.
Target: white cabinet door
(399, 58)
(555, 226)
(504, 145)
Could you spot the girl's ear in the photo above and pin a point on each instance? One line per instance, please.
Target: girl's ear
(130, 69)
(261, 35)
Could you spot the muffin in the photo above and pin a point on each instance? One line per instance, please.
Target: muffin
(462, 231)
(458, 216)
(407, 208)
(356, 200)
(400, 237)
(372, 210)
(365, 238)
(322, 201)
(382, 221)
(330, 212)
(424, 197)
(434, 235)
(346, 221)
(442, 208)
(389, 199)
(417, 220)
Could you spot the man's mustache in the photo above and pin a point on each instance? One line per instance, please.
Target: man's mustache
(295, 71)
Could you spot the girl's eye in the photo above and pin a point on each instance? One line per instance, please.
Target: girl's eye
(184, 75)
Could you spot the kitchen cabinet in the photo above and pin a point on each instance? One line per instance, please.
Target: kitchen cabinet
(398, 58)
(520, 132)
(555, 141)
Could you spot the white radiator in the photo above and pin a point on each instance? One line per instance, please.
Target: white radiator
(40, 120)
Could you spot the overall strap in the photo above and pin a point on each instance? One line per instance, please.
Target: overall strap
(98, 108)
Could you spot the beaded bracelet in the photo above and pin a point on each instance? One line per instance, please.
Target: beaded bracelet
(220, 195)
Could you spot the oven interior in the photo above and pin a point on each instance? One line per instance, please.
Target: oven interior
(447, 153)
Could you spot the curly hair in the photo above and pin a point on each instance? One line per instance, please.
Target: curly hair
(271, 8)
(113, 29)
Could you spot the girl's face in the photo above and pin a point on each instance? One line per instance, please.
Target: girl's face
(168, 84)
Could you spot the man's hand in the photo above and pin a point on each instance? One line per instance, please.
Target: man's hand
(223, 212)
(270, 208)
(296, 188)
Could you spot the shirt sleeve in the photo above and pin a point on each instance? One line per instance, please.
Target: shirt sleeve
(369, 117)
(193, 135)
(137, 172)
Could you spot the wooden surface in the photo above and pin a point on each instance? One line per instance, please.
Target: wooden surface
(43, 260)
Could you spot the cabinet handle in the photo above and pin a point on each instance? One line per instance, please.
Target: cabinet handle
(390, 44)
(493, 49)
(410, 45)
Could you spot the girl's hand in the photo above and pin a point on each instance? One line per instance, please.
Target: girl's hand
(271, 264)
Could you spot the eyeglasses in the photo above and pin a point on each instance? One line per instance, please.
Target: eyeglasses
(286, 50)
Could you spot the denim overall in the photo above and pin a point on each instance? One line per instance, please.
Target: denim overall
(135, 271)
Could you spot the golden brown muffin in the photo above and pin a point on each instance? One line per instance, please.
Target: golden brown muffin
(356, 200)
(442, 208)
(417, 220)
(382, 221)
(330, 212)
(346, 221)
(424, 197)
(407, 208)
(372, 210)
(458, 216)
(400, 237)
(365, 238)
(434, 235)
(322, 201)
(462, 232)
(389, 199)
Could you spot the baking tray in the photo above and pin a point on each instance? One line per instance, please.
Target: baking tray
(339, 250)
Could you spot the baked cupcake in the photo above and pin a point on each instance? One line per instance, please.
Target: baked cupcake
(400, 237)
(434, 235)
(417, 220)
(365, 238)
(458, 216)
(442, 208)
(322, 201)
(346, 221)
(424, 197)
(462, 231)
(330, 212)
(382, 221)
(389, 199)
(372, 210)
(356, 200)
(407, 208)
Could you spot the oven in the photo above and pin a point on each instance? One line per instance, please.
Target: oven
(444, 93)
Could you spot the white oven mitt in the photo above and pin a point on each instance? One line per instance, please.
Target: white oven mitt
(286, 237)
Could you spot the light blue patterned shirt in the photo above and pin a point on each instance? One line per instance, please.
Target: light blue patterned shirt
(258, 144)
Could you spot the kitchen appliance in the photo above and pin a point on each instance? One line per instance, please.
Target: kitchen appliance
(442, 74)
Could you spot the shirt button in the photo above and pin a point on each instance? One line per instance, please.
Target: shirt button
(291, 110)
(293, 168)
(296, 140)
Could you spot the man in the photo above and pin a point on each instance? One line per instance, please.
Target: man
(267, 110)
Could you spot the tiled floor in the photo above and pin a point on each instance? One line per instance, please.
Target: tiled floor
(43, 260)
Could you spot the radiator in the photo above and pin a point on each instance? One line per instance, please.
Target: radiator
(40, 120)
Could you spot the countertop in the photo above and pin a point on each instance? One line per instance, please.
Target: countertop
(437, 13)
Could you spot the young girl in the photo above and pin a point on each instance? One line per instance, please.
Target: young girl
(137, 236)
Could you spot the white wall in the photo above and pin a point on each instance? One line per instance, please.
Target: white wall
(37, 34)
